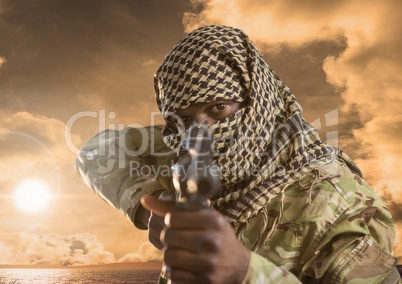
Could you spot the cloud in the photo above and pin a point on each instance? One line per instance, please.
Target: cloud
(68, 250)
(146, 253)
(48, 130)
(22, 131)
(367, 73)
(54, 249)
(6, 254)
(273, 23)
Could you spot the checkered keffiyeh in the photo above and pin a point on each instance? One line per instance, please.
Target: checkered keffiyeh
(262, 148)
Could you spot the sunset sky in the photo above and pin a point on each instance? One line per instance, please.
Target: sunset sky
(63, 59)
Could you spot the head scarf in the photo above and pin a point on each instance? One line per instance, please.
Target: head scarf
(260, 149)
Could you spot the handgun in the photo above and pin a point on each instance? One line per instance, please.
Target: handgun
(195, 174)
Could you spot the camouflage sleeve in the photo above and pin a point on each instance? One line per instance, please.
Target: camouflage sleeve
(351, 259)
(333, 229)
(122, 166)
(358, 246)
(261, 270)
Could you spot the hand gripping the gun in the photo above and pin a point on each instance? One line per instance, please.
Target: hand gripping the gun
(200, 246)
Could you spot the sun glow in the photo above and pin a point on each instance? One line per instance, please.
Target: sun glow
(32, 196)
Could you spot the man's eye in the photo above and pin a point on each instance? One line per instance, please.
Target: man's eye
(218, 108)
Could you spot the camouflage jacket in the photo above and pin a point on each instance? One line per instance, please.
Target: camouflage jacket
(330, 227)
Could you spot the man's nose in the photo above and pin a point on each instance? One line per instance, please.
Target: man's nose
(203, 118)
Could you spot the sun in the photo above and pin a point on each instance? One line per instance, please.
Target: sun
(32, 196)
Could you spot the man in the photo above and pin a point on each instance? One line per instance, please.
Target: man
(290, 208)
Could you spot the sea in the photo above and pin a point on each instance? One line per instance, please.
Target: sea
(77, 276)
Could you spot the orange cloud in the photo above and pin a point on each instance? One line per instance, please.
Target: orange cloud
(68, 250)
(6, 254)
(274, 23)
(32, 146)
(54, 249)
(46, 132)
(146, 253)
